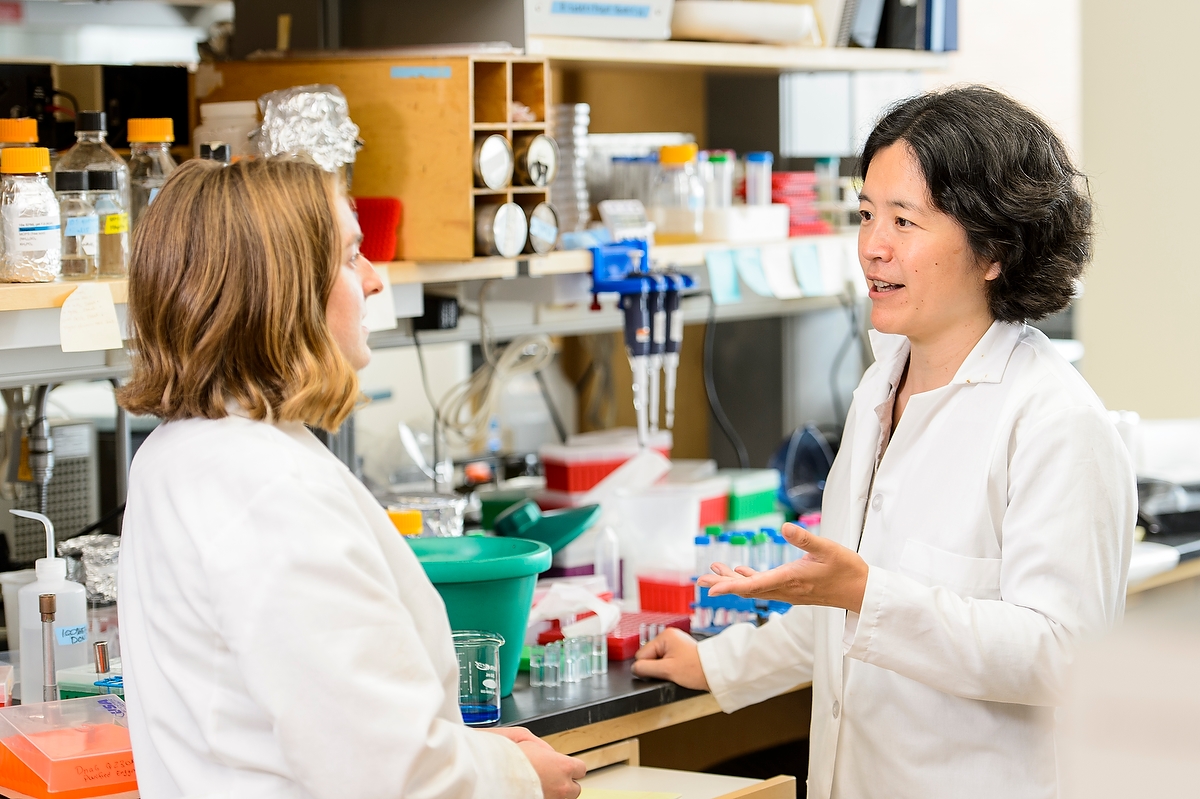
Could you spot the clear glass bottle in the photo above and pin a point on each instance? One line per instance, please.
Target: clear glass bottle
(150, 161)
(18, 132)
(32, 251)
(677, 196)
(113, 249)
(91, 152)
(81, 226)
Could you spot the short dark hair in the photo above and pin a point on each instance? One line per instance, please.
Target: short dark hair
(1005, 176)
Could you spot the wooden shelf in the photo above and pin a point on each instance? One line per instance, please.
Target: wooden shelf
(720, 55)
(561, 262)
(32, 296)
(512, 190)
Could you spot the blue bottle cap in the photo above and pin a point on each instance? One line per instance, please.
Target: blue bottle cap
(760, 158)
(724, 538)
(768, 530)
(701, 541)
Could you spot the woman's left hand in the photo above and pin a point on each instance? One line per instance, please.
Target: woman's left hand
(829, 574)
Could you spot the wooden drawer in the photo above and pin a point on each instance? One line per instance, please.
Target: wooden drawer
(615, 768)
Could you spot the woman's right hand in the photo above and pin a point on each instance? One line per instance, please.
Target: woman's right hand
(558, 773)
(672, 656)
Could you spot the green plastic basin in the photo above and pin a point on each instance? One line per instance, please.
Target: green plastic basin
(487, 584)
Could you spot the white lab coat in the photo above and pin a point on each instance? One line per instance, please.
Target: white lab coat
(280, 639)
(997, 534)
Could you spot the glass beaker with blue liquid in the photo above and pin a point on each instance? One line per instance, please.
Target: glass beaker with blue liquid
(478, 676)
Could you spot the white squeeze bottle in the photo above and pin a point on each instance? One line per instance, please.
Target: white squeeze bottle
(70, 621)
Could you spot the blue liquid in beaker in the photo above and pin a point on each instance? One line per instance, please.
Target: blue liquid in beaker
(479, 715)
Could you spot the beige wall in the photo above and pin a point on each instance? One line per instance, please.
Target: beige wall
(1138, 319)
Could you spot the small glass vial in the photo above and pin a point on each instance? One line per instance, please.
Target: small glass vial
(551, 662)
(81, 226)
(19, 132)
(150, 161)
(677, 196)
(535, 666)
(600, 654)
(113, 249)
(758, 178)
(30, 216)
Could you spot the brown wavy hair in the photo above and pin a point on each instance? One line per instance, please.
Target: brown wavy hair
(231, 270)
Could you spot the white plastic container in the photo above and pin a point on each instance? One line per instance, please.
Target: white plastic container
(70, 620)
(10, 583)
(231, 123)
(603, 19)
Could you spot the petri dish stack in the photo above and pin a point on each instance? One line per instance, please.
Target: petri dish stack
(569, 192)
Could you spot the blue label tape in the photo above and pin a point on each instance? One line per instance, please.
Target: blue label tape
(622, 10)
(420, 72)
(71, 635)
(82, 226)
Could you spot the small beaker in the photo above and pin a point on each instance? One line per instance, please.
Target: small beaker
(478, 676)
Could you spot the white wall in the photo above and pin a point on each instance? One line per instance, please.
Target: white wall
(1138, 319)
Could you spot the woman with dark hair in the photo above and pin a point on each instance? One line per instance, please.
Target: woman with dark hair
(978, 521)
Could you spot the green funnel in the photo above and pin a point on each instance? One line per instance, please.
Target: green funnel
(487, 584)
(554, 528)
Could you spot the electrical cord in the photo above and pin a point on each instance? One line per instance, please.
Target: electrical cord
(710, 388)
(559, 427)
(468, 408)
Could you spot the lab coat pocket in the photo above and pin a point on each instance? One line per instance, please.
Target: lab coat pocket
(977, 578)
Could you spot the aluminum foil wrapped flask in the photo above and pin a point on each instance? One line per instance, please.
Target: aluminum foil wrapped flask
(312, 121)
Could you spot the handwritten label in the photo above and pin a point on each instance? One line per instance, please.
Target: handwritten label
(82, 226)
(67, 636)
(381, 307)
(113, 705)
(116, 223)
(420, 72)
(38, 234)
(622, 10)
(88, 321)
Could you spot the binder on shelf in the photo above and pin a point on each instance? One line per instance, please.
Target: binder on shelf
(902, 26)
(867, 18)
(941, 26)
(846, 23)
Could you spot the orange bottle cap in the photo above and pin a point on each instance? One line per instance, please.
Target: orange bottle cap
(24, 160)
(407, 520)
(151, 130)
(18, 131)
(677, 153)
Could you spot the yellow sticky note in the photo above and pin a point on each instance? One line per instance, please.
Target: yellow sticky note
(89, 320)
(116, 223)
(600, 793)
(381, 307)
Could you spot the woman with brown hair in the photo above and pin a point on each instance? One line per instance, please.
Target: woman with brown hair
(279, 638)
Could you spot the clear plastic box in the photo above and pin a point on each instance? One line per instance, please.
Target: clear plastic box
(69, 745)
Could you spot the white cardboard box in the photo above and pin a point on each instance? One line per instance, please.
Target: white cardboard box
(605, 19)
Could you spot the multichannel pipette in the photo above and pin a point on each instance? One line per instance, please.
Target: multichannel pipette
(637, 346)
(673, 323)
(658, 342)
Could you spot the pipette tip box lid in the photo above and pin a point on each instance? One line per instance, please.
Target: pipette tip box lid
(70, 748)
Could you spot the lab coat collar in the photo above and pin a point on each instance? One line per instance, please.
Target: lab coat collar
(985, 364)
(990, 357)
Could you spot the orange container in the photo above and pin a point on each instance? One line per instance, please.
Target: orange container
(70, 749)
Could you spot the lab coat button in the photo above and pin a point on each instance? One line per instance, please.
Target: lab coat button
(837, 708)
(877, 502)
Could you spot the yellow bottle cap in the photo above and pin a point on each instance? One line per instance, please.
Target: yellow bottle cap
(407, 520)
(677, 153)
(24, 160)
(18, 131)
(151, 130)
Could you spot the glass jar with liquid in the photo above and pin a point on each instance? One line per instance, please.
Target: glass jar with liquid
(677, 196)
(80, 226)
(113, 234)
(150, 161)
(31, 224)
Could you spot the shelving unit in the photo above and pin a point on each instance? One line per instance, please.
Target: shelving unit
(570, 51)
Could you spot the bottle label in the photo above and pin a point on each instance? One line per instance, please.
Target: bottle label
(82, 226)
(38, 234)
(71, 635)
(116, 223)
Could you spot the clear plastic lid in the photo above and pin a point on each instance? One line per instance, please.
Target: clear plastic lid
(73, 743)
